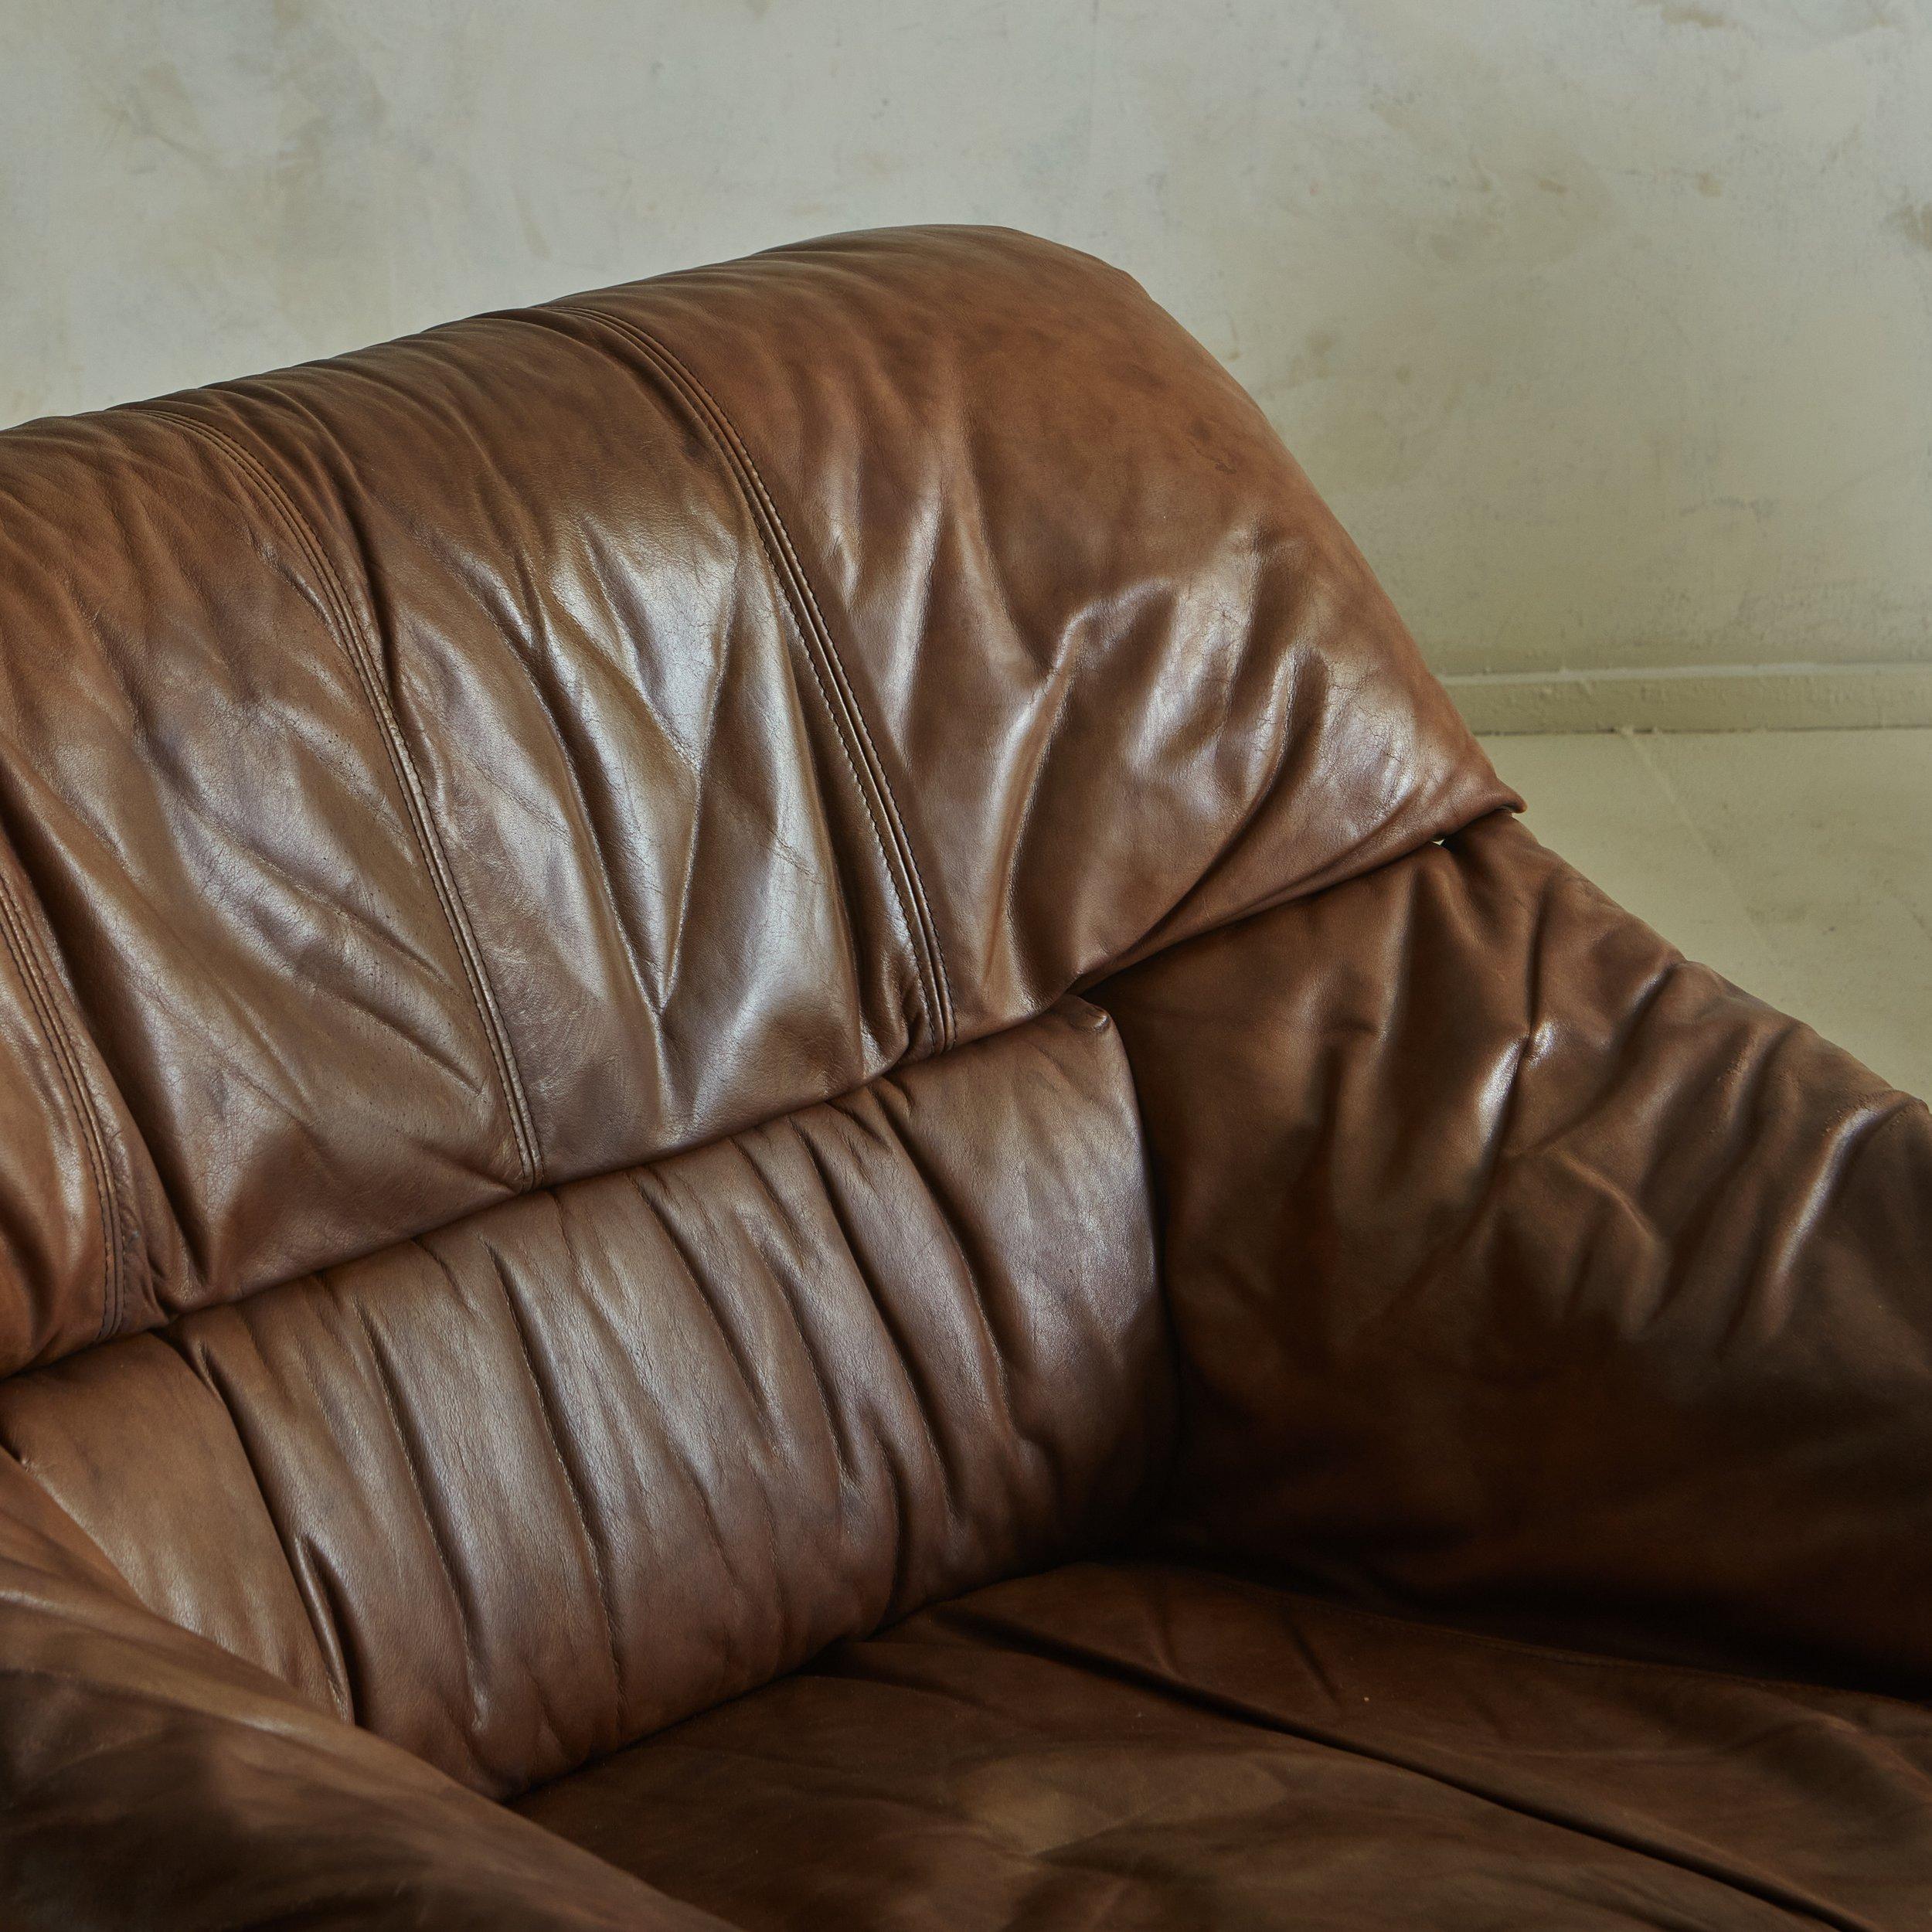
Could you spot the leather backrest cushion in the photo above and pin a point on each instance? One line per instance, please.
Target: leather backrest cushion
(583, 1463)
(1127, 676)
(363, 894)
(519, 752)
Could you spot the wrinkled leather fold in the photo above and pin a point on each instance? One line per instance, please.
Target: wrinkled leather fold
(1144, 1746)
(1520, 1269)
(520, 752)
(149, 1778)
(517, 1493)
(772, 1080)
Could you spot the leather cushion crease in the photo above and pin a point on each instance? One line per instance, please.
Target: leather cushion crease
(788, 1136)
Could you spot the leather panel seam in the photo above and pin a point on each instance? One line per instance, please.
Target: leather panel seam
(637, 1173)
(53, 1024)
(348, 633)
(1166, 1680)
(1552, 1653)
(848, 719)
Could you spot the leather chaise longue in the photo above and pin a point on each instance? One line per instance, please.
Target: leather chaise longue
(790, 1138)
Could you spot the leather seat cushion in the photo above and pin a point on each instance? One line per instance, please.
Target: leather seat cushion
(1135, 1745)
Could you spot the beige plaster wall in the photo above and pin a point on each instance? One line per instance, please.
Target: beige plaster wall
(1606, 324)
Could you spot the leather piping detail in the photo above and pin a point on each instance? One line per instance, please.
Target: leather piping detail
(54, 1024)
(356, 647)
(802, 605)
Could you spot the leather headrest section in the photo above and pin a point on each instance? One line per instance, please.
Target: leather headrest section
(520, 751)
(1126, 677)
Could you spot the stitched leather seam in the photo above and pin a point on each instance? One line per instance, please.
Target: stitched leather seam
(1166, 1680)
(637, 1175)
(855, 737)
(922, 901)
(72, 1080)
(348, 633)
(1704, 1674)
(902, 870)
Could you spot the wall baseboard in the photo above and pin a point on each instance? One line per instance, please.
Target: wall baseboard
(1745, 697)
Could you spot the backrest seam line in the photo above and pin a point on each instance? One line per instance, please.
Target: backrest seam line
(848, 718)
(349, 635)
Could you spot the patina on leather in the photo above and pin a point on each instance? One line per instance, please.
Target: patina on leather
(788, 1136)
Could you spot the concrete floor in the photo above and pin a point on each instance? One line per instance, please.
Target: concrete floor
(1798, 863)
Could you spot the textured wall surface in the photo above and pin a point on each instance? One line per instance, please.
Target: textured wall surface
(1606, 324)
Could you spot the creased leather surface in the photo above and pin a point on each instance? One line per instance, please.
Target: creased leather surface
(1144, 1747)
(546, 1480)
(323, 998)
(1519, 1267)
(1187, 698)
(147, 1779)
(58, 1249)
(516, 753)
(548, 1173)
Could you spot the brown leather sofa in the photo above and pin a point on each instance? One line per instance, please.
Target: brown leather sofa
(789, 1138)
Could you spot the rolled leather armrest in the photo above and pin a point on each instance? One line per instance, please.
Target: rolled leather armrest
(1522, 1271)
(147, 1778)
